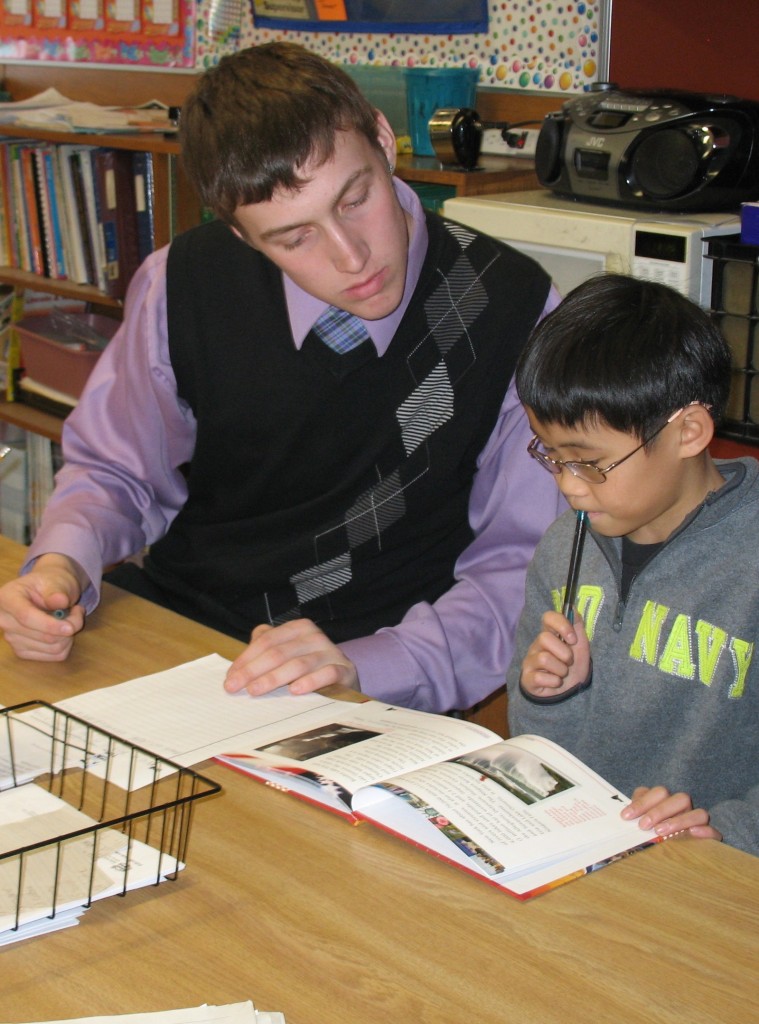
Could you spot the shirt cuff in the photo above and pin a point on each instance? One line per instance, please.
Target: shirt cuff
(385, 670)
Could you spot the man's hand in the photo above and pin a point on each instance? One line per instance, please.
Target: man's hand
(27, 605)
(669, 813)
(296, 654)
(558, 659)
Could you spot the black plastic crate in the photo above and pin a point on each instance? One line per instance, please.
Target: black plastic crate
(735, 307)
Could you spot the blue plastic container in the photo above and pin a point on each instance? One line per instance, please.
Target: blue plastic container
(428, 90)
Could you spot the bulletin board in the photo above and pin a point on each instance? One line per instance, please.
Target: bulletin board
(434, 16)
(152, 33)
(535, 45)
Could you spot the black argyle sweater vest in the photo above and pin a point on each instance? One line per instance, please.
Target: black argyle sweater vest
(325, 486)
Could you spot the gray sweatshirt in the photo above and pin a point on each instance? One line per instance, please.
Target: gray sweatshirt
(674, 697)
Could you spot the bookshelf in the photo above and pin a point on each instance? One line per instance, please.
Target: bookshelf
(175, 205)
(175, 208)
(170, 217)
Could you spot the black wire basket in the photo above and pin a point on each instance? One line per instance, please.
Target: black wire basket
(84, 814)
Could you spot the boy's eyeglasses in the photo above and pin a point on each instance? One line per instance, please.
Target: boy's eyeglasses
(588, 471)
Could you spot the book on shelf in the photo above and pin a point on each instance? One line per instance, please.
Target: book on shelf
(45, 215)
(114, 183)
(39, 396)
(84, 170)
(142, 168)
(13, 490)
(5, 212)
(76, 267)
(41, 458)
(7, 203)
(76, 170)
(20, 234)
(522, 814)
(31, 209)
(52, 200)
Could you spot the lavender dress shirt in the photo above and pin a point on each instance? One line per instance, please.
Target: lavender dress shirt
(121, 487)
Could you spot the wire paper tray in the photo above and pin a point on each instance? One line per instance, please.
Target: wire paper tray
(72, 830)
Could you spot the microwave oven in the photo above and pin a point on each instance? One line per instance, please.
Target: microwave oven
(574, 240)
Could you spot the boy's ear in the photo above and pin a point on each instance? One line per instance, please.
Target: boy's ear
(696, 430)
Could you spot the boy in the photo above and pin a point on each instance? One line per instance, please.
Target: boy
(654, 685)
(359, 504)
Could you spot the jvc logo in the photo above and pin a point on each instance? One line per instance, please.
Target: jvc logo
(596, 142)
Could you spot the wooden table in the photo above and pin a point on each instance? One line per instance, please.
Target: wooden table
(299, 911)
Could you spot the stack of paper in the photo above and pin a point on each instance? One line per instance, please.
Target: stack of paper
(235, 1013)
(50, 109)
(47, 888)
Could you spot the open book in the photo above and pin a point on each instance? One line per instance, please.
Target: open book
(522, 814)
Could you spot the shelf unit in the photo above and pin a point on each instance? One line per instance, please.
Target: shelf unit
(176, 209)
(28, 418)
(175, 206)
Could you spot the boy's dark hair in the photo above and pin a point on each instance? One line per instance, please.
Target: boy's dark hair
(626, 353)
(253, 120)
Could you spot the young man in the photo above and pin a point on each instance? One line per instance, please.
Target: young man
(654, 685)
(373, 498)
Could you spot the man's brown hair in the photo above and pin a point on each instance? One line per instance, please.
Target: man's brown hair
(255, 119)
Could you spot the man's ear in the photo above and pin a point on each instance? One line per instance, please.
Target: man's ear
(386, 139)
(239, 234)
(696, 429)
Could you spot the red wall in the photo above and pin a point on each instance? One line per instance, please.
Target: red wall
(701, 45)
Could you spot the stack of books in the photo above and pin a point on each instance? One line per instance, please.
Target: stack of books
(75, 212)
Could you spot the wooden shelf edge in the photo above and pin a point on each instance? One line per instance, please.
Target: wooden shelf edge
(68, 289)
(152, 142)
(27, 418)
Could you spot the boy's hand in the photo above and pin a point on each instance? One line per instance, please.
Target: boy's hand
(559, 658)
(27, 604)
(296, 654)
(669, 813)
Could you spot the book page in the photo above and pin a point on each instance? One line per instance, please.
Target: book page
(511, 808)
(358, 744)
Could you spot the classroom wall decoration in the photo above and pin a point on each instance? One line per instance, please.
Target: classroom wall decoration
(155, 33)
(373, 15)
(529, 45)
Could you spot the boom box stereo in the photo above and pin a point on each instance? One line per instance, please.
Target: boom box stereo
(660, 150)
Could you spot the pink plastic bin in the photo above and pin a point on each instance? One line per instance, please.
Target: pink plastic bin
(54, 348)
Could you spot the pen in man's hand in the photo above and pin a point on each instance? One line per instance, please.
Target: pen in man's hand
(60, 613)
(570, 591)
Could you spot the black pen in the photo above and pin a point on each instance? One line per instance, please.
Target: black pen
(574, 566)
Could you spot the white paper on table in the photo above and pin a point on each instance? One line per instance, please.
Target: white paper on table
(234, 1013)
(182, 714)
